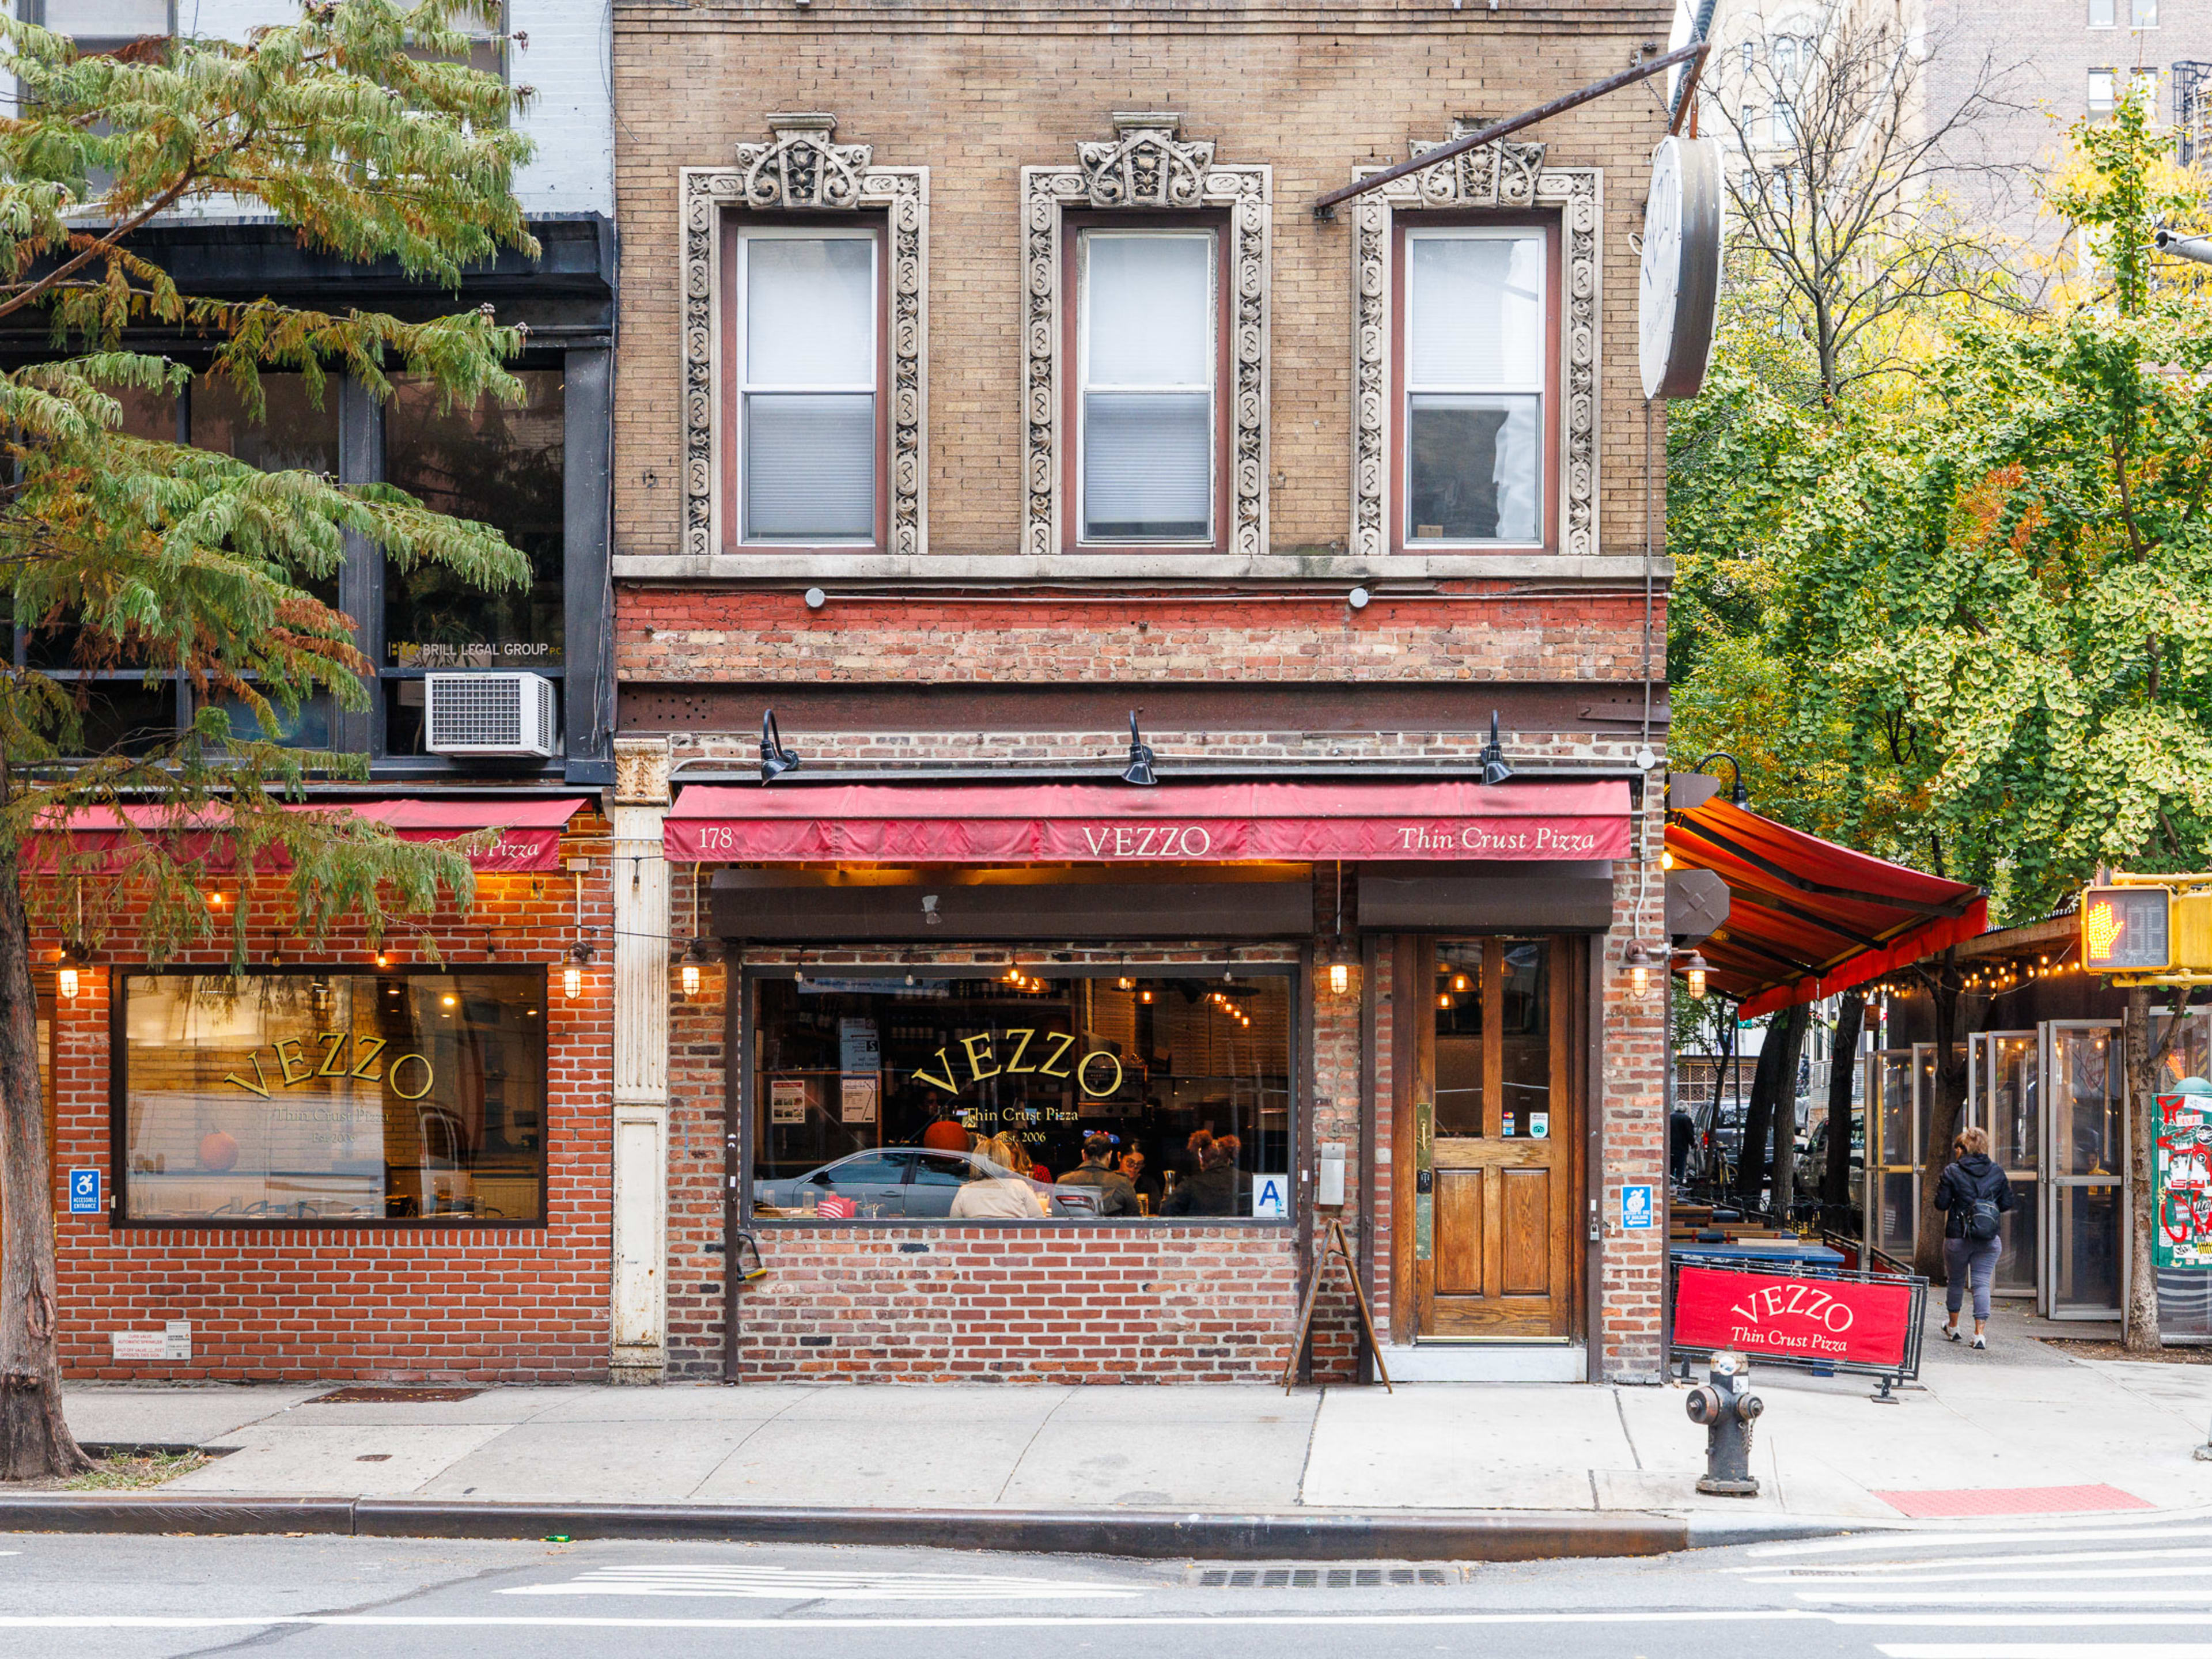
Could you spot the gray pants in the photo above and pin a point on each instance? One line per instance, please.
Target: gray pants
(1974, 1257)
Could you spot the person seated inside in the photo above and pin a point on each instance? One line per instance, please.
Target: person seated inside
(1117, 1193)
(1145, 1180)
(1217, 1186)
(998, 1190)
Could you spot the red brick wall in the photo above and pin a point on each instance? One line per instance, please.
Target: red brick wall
(1468, 629)
(517, 1305)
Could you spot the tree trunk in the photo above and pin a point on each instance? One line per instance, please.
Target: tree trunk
(34, 1441)
(1794, 1024)
(1751, 1150)
(2140, 1056)
(1941, 1128)
(1843, 1066)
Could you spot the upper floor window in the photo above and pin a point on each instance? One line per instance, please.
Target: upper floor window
(2102, 93)
(104, 25)
(2143, 13)
(1147, 435)
(807, 365)
(1480, 353)
(2102, 13)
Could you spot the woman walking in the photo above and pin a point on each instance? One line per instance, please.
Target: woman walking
(1973, 1192)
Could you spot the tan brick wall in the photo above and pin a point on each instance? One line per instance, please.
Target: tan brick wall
(974, 94)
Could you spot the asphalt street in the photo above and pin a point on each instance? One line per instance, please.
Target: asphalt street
(2053, 1590)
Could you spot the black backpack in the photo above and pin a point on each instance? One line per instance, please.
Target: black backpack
(1982, 1220)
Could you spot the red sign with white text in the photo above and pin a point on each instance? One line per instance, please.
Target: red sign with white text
(1852, 1321)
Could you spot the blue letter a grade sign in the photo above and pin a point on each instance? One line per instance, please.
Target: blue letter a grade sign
(84, 1192)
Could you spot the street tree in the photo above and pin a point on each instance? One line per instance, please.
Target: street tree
(360, 126)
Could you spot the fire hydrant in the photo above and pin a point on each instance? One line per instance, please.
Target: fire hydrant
(1727, 1407)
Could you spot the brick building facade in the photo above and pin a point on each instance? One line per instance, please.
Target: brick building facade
(987, 383)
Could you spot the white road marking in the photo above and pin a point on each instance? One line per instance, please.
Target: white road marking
(1907, 1564)
(794, 1585)
(2030, 1598)
(2045, 1650)
(1898, 1538)
(1902, 1573)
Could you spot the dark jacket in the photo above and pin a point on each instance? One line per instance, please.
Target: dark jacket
(1117, 1195)
(1210, 1192)
(1972, 1177)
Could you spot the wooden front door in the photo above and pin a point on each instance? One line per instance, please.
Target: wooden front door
(1493, 1093)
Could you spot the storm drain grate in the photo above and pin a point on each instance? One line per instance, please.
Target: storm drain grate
(1367, 1577)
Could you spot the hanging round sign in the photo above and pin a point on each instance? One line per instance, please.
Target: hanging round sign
(1681, 271)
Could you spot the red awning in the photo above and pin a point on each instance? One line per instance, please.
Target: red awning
(1808, 918)
(530, 838)
(1120, 824)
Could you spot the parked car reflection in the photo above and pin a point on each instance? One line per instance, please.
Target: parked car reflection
(905, 1181)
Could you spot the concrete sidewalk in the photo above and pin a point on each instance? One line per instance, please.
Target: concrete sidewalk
(2021, 1416)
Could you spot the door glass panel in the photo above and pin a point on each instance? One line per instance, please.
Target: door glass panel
(2012, 1111)
(1898, 1214)
(1896, 1114)
(2087, 1264)
(1526, 1029)
(2087, 1065)
(1459, 1038)
(2017, 1266)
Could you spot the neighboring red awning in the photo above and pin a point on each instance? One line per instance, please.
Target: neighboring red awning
(1808, 918)
(530, 839)
(1122, 823)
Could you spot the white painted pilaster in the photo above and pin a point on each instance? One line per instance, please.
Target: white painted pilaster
(640, 1067)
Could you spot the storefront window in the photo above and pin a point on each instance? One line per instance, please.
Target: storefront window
(897, 1091)
(334, 1097)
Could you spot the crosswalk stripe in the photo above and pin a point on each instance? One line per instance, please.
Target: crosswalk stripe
(2014, 1598)
(1983, 1577)
(2055, 1558)
(1902, 1538)
(2044, 1649)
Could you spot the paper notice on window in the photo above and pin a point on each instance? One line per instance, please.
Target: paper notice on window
(787, 1100)
(856, 1099)
(857, 1049)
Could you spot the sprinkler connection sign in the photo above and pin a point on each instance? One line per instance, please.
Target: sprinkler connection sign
(1845, 1321)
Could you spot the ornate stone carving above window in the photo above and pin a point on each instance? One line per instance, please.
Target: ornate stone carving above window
(1502, 175)
(802, 169)
(1146, 165)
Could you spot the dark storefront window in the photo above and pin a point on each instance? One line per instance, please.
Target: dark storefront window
(333, 1098)
(900, 1091)
(501, 466)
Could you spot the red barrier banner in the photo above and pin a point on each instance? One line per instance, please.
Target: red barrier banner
(1849, 1322)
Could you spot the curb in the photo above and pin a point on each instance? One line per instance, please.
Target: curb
(1494, 1536)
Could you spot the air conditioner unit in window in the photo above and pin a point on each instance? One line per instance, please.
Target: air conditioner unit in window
(510, 714)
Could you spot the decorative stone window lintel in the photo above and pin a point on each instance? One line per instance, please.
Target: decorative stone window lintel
(1500, 175)
(802, 169)
(1146, 165)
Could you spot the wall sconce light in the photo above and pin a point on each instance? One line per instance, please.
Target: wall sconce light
(1639, 971)
(1143, 996)
(1494, 768)
(66, 983)
(1340, 977)
(572, 976)
(775, 759)
(690, 977)
(1139, 770)
(1694, 973)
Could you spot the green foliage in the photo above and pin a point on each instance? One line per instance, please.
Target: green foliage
(356, 126)
(1970, 628)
